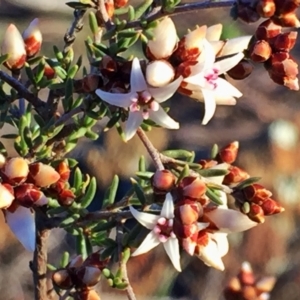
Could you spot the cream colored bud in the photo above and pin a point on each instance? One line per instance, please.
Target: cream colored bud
(6, 197)
(16, 169)
(43, 175)
(32, 38)
(159, 73)
(164, 41)
(76, 262)
(214, 32)
(91, 276)
(13, 45)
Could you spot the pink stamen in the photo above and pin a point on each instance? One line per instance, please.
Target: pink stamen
(162, 238)
(154, 106)
(162, 221)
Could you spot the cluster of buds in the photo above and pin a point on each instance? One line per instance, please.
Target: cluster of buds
(281, 12)
(82, 275)
(255, 201)
(112, 5)
(272, 47)
(21, 47)
(245, 287)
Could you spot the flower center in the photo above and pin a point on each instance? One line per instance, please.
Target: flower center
(164, 229)
(211, 77)
(144, 102)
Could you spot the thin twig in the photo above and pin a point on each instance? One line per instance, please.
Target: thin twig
(36, 102)
(76, 26)
(184, 8)
(67, 116)
(151, 149)
(39, 263)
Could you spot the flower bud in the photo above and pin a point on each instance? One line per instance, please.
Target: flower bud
(235, 175)
(241, 71)
(6, 196)
(287, 20)
(286, 6)
(49, 72)
(191, 45)
(271, 207)
(285, 41)
(267, 30)
(256, 191)
(265, 284)
(256, 213)
(120, 3)
(159, 73)
(43, 175)
(260, 51)
(75, 262)
(88, 276)
(13, 45)
(32, 37)
(63, 171)
(164, 41)
(110, 8)
(16, 170)
(66, 198)
(62, 279)
(246, 275)
(195, 190)
(163, 181)
(188, 211)
(27, 195)
(229, 153)
(266, 8)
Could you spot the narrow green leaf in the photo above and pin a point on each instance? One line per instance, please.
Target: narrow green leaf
(179, 153)
(138, 191)
(93, 23)
(184, 173)
(212, 172)
(81, 245)
(90, 193)
(112, 192)
(77, 179)
(247, 182)
(141, 9)
(144, 175)
(64, 259)
(214, 151)
(212, 195)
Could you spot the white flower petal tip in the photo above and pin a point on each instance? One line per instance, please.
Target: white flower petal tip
(159, 73)
(172, 248)
(246, 267)
(162, 119)
(137, 80)
(164, 41)
(210, 106)
(22, 224)
(235, 45)
(195, 38)
(147, 220)
(167, 210)
(222, 242)
(150, 242)
(214, 32)
(229, 220)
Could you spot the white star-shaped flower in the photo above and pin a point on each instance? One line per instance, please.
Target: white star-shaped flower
(161, 231)
(206, 84)
(142, 101)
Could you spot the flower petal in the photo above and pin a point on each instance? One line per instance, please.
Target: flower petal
(224, 88)
(147, 220)
(135, 119)
(137, 79)
(218, 179)
(120, 100)
(222, 242)
(236, 45)
(150, 242)
(210, 105)
(202, 225)
(172, 248)
(162, 94)
(161, 118)
(167, 210)
(214, 32)
(228, 63)
(229, 220)
(210, 255)
(22, 224)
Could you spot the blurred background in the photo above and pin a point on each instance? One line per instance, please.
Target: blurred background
(266, 122)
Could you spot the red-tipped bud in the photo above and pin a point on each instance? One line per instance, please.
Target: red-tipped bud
(49, 72)
(120, 3)
(66, 198)
(260, 51)
(207, 163)
(16, 170)
(229, 153)
(195, 189)
(88, 276)
(271, 207)
(64, 171)
(163, 181)
(235, 175)
(256, 213)
(267, 30)
(32, 37)
(246, 275)
(27, 195)
(110, 8)
(188, 211)
(266, 8)
(191, 45)
(241, 71)
(285, 41)
(287, 20)
(6, 196)
(62, 279)
(256, 191)
(43, 175)
(13, 45)
(286, 6)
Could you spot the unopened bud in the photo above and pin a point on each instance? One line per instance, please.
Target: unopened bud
(241, 71)
(235, 175)
(75, 262)
(246, 275)
(27, 195)
(66, 197)
(64, 171)
(164, 40)
(260, 51)
(266, 8)
(89, 276)
(256, 191)
(195, 190)
(43, 175)
(110, 8)
(256, 213)
(285, 41)
(163, 181)
(267, 30)
(229, 153)
(188, 211)
(32, 37)
(287, 20)
(13, 45)
(120, 3)
(16, 170)
(159, 73)
(62, 279)
(6, 196)
(271, 207)
(286, 6)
